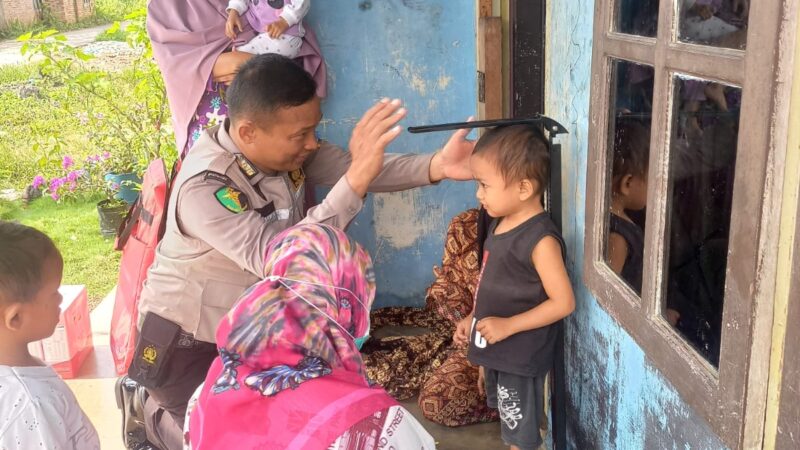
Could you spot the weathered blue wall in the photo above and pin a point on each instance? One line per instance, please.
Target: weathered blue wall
(423, 52)
(616, 399)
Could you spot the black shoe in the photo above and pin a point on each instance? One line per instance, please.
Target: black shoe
(130, 399)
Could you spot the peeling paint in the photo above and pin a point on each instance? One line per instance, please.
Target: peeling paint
(615, 397)
(444, 81)
(398, 220)
(407, 49)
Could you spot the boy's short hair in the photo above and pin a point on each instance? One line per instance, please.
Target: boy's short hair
(519, 152)
(631, 150)
(23, 250)
(267, 83)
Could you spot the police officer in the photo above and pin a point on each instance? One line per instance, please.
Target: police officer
(242, 183)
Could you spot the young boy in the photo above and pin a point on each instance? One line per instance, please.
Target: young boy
(37, 408)
(523, 289)
(628, 193)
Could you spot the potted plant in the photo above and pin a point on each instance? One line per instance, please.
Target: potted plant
(71, 180)
(123, 112)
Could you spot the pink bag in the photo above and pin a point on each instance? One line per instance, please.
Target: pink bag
(137, 238)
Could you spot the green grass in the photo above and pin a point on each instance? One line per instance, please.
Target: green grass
(26, 122)
(17, 73)
(106, 11)
(89, 258)
(118, 36)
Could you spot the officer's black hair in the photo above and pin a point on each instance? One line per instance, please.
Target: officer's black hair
(518, 152)
(267, 83)
(23, 251)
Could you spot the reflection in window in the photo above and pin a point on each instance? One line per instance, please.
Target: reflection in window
(629, 136)
(639, 17)
(720, 23)
(703, 157)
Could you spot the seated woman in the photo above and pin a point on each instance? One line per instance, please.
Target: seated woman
(429, 364)
(290, 374)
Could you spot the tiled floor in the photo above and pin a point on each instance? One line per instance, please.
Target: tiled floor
(94, 388)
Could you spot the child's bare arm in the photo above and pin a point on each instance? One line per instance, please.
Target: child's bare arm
(617, 252)
(549, 264)
(234, 21)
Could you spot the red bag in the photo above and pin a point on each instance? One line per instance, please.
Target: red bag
(137, 238)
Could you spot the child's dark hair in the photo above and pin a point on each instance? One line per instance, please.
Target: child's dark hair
(23, 251)
(267, 83)
(631, 150)
(519, 152)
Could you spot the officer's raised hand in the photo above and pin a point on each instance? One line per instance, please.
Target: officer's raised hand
(373, 133)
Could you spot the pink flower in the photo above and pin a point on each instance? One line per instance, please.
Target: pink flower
(38, 181)
(106, 155)
(74, 175)
(56, 183)
(67, 162)
(72, 186)
(55, 196)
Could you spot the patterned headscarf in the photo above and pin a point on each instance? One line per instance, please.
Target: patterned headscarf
(329, 270)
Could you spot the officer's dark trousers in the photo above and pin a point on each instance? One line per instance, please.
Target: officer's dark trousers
(165, 409)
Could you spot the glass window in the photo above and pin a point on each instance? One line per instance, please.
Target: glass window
(705, 132)
(719, 23)
(639, 17)
(629, 147)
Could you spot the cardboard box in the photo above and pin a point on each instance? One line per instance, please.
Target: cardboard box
(71, 343)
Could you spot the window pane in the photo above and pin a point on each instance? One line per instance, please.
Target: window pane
(629, 145)
(639, 17)
(703, 156)
(719, 23)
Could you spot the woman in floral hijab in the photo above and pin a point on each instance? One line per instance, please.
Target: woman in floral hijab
(289, 374)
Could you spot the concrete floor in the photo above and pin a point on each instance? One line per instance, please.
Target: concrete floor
(94, 388)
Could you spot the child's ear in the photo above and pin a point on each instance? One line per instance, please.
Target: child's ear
(526, 189)
(11, 316)
(625, 184)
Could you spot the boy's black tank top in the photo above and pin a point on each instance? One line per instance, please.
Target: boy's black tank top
(510, 285)
(634, 237)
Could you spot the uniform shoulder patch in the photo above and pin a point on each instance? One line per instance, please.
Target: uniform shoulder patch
(232, 199)
(216, 177)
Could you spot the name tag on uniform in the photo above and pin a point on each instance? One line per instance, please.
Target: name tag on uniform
(268, 212)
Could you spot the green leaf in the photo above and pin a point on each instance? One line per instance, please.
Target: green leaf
(46, 34)
(83, 56)
(60, 38)
(25, 37)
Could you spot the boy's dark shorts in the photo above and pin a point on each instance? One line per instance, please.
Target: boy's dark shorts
(520, 401)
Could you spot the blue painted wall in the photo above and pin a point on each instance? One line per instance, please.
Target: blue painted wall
(616, 399)
(423, 52)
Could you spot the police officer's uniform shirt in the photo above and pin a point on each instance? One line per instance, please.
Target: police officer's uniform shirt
(38, 411)
(224, 211)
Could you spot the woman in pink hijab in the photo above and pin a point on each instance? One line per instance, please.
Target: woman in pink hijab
(289, 373)
(196, 61)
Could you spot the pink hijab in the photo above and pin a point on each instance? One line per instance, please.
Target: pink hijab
(187, 38)
(287, 375)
